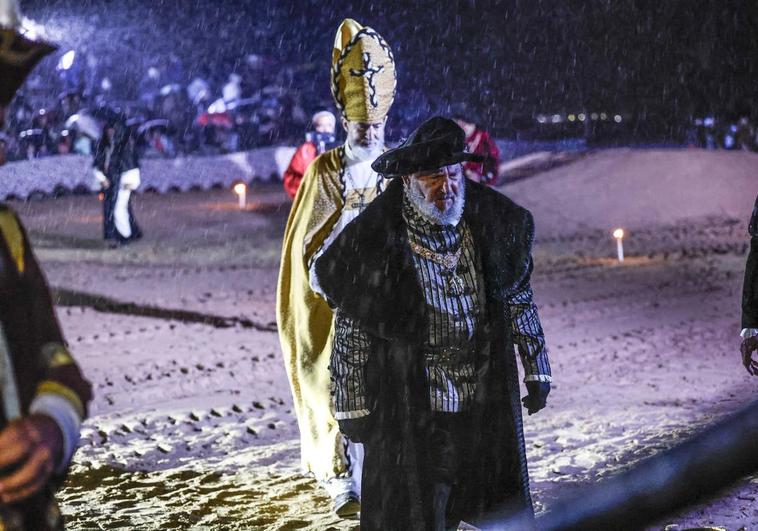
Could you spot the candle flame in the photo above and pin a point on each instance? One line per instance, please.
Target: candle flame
(618, 233)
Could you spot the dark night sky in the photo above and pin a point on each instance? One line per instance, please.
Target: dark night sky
(518, 57)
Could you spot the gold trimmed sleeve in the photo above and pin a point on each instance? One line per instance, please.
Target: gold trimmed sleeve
(319, 204)
(14, 237)
(56, 388)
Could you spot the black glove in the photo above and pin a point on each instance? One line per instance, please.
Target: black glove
(357, 430)
(537, 397)
(748, 347)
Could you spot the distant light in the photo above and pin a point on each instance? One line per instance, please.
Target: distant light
(593, 116)
(619, 235)
(106, 84)
(541, 119)
(617, 118)
(571, 117)
(556, 118)
(67, 60)
(582, 117)
(241, 190)
(603, 116)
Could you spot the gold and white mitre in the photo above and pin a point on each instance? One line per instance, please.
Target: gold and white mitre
(363, 73)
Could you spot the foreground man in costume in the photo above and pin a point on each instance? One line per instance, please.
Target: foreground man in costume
(431, 286)
(749, 334)
(43, 396)
(337, 186)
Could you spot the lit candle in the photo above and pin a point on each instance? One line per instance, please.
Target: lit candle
(619, 235)
(241, 190)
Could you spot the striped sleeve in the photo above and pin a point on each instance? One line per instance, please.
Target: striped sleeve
(528, 336)
(350, 351)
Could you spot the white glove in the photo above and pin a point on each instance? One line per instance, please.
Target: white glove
(100, 181)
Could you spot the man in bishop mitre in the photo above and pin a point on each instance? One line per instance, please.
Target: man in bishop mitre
(335, 189)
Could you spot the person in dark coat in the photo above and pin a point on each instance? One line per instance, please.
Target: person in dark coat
(431, 295)
(749, 334)
(116, 169)
(43, 395)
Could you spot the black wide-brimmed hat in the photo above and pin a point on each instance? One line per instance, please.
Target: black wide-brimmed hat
(435, 143)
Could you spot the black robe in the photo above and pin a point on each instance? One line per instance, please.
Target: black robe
(750, 287)
(123, 157)
(368, 273)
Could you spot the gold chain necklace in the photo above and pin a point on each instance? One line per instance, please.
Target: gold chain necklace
(446, 260)
(360, 192)
(449, 261)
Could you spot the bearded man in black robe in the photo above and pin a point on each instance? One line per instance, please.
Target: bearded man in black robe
(431, 289)
(749, 346)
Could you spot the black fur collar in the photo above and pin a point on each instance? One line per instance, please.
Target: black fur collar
(368, 271)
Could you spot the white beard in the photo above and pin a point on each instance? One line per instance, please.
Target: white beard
(451, 216)
(362, 153)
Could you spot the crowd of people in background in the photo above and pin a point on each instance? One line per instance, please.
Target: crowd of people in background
(173, 113)
(712, 133)
(233, 80)
(183, 98)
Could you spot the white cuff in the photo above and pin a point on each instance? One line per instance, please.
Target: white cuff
(66, 417)
(545, 378)
(347, 415)
(100, 176)
(749, 332)
(313, 279)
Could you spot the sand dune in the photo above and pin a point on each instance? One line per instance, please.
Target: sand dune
(639, 188)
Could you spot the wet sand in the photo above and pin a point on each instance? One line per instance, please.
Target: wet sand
(192, 428)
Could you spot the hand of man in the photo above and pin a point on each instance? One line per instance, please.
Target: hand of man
(748, 347)
(357, 430)
(537, 397)
(29, 449)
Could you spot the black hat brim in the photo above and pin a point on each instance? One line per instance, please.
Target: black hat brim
(405, 160)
